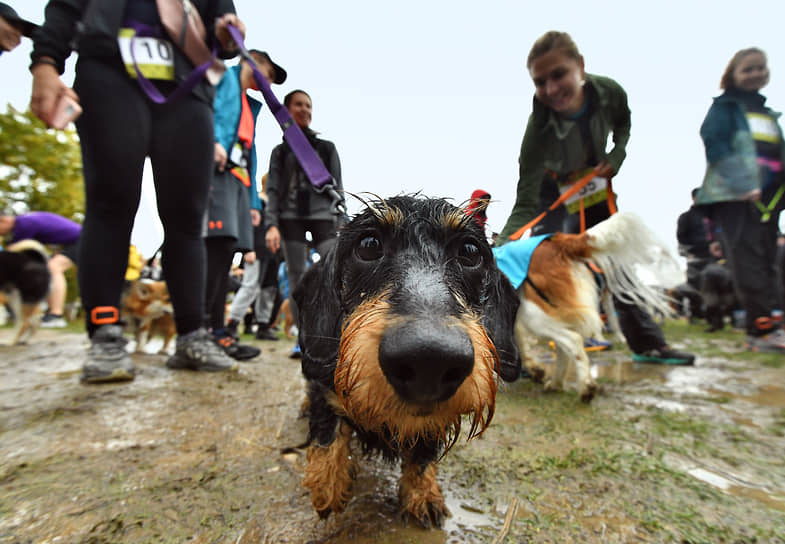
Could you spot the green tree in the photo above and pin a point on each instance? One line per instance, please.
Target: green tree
(40, 168)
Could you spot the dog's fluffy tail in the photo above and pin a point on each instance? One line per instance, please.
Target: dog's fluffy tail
(624, 248)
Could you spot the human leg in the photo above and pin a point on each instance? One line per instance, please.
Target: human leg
(750, 249)
(114, 132)
(181, 155)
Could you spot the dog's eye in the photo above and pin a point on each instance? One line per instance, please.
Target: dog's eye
(469, 255)
(370, 249)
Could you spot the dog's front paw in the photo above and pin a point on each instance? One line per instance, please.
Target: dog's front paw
(329, 474)
(420, 497)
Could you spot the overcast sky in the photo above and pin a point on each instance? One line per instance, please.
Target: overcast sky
(433, 96)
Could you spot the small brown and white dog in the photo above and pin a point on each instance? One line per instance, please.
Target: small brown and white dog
(406, 327)
(148, 312)
(24, 285)
(560, 298)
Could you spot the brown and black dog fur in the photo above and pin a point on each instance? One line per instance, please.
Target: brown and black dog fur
(406, 326)
(24, 285)
(148, 312)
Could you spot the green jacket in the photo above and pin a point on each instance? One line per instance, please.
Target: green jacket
(554, 143)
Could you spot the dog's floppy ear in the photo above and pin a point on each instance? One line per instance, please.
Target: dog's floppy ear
(499, 321)
(320, 317)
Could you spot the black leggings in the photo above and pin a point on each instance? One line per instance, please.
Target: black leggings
(220, 251)
(119, 128)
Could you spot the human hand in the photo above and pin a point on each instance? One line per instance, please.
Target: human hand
(220, 156)
(256, 217)
(604, 170)
(47, 89)
(273, 239)
(222, 32)
(10, 36)
(250, 257)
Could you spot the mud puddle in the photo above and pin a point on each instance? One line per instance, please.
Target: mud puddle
(663, 454)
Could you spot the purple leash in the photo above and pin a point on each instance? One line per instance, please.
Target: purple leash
(318, 175)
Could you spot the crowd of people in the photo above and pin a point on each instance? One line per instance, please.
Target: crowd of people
(194, 120)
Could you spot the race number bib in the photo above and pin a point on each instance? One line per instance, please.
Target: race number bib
(594, 192)
(237, 155)
(763, 127)
(153, 57)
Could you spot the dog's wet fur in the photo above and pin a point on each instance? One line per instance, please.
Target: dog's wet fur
(406, 326)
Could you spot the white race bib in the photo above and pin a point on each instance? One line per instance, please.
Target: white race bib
(154, 57)
(594, 192)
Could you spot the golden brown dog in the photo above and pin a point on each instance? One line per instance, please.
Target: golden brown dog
(148, 312)
(406, 327)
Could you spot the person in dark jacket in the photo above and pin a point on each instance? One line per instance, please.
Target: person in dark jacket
(12, 28)
(120, 127)
(574, 113)
(743, 191)
(696, 238)
(294, 207)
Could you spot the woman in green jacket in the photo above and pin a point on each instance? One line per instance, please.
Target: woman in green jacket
(566, 137)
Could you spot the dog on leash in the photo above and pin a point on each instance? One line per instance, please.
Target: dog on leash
(559, 295)
(24, 285)
(406, 327)
(147, 310)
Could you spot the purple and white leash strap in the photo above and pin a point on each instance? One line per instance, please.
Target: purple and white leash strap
(317, 173)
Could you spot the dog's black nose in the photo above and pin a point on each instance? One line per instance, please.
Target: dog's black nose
(426, 362)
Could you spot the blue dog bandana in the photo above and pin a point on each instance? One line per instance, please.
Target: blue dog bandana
(513, 257)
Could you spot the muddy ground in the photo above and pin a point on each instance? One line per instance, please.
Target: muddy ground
(661, 455)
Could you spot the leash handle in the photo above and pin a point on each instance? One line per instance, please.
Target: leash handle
(314, 169)
(577, 186)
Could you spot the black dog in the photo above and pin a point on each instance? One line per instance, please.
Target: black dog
(719, 295)
(406, 326)
(24, 284)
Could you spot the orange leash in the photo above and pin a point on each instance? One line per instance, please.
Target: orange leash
(577, 186)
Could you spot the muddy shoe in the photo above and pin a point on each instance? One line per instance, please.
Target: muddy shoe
(107, 359)
(773, 342)
(236, 350)
(664, 356)
(264, 333)
(198, 351)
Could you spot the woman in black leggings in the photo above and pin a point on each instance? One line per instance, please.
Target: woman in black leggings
(293, 205)
(121, 126)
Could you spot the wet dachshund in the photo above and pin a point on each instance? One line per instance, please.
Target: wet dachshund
(406, 326)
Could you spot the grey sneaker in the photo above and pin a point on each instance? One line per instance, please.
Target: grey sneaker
(107, 359)
(198, 351)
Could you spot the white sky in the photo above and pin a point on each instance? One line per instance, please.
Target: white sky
(434, 96)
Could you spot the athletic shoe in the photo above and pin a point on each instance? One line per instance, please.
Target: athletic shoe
(236, 350)
(231, 328)
(664, 356)
(52, 321)
(107, 359)
(296, 353)
(264, 333)
(198, 350)
(593, 344)
(773, 342)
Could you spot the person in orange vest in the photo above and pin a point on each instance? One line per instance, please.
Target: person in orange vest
(234, 206)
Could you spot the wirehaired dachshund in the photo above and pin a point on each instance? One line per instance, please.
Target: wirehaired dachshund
(406, 325)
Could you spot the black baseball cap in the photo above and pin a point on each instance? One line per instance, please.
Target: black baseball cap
(12, 17)
(280, 73)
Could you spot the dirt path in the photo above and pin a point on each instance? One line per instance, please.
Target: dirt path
(662, 455)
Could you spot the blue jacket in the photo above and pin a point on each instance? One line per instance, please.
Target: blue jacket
(228, 107)
(732, 161)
